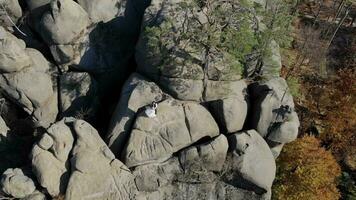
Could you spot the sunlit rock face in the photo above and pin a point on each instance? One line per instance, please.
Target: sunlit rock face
(26, 79)
(10, 13)
(72, 160)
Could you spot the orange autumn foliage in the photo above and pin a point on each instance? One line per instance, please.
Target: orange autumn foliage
(306, 171)
(340, 104)
(330, 105)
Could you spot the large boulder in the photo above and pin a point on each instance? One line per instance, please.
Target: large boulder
(13, 56)
(37, 195)
(151, 177)
(26, 79)
(136, 94)
(95, 171)
(73, 161)
(16, 184)
(10, 12)
(99, 10)
(33, 91)
(63, 27)
(287, 131)
(251, 161)
(176, 126)
(211, 155)
(229, 110)
(49, 158)
(39, 62)
(183, 89)
(273, 114)
(198, 159)
(64, 23)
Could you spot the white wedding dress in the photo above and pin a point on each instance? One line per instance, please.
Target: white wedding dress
(150, 112)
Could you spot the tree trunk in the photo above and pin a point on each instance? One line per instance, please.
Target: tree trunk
(339, 25)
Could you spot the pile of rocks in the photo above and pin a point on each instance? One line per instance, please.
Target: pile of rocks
(210, 138)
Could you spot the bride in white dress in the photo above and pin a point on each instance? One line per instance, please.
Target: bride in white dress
(151, 110)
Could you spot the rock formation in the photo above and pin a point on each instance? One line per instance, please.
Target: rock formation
(215, 134)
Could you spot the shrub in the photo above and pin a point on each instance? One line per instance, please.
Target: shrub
(306, 171)
(226, 31)
(347, 186)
